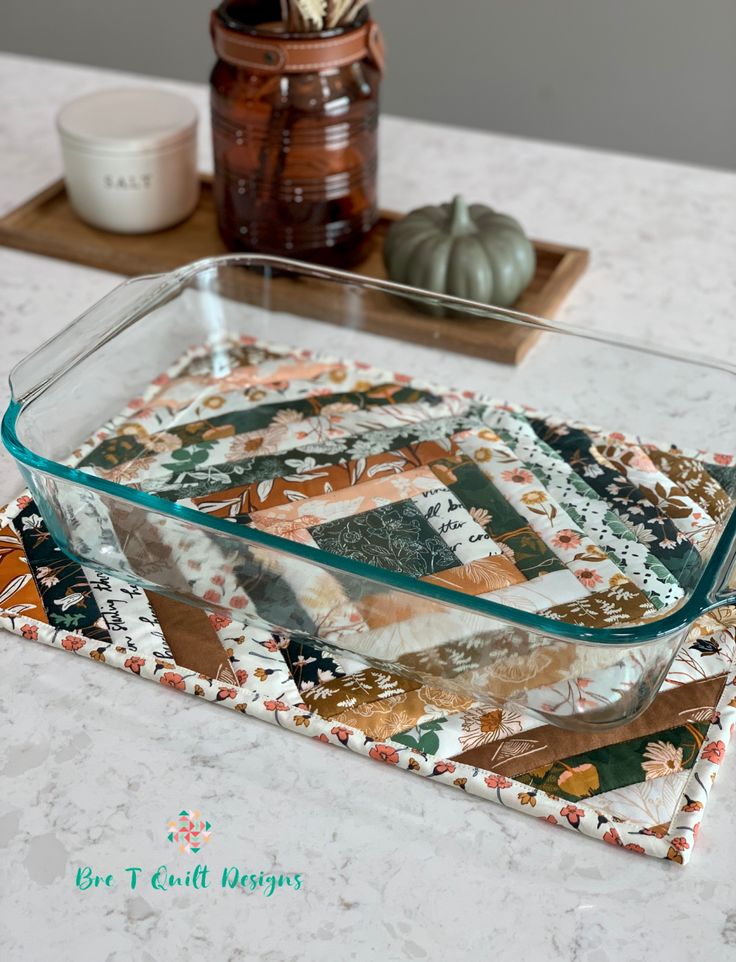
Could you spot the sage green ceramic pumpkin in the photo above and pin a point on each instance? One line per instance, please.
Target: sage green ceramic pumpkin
(471, 252)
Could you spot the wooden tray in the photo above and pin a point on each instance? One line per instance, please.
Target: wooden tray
(47, 225)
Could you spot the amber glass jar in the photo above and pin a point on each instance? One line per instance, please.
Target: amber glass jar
(294, 126)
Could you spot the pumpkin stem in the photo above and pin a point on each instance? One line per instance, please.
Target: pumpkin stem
(460, 222)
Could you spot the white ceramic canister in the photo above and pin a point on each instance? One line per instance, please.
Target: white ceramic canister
(130, 158)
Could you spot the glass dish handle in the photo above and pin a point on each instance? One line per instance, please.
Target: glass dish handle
(62, 351)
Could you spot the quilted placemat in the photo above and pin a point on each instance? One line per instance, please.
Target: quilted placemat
(642, 787)
(489, 498)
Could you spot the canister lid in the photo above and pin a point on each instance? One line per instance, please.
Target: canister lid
(122, 120)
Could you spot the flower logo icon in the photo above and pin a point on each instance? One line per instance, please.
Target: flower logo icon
(189, 831)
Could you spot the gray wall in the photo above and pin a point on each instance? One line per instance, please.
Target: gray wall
(650, 76)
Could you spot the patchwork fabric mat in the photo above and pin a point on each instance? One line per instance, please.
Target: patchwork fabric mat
(642, 787)
(495, 500)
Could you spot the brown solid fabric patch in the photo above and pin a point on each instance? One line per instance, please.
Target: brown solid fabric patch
(191, 637)
(388, 609)
(544, 746)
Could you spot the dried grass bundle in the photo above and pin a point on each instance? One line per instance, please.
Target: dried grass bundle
(305, 16)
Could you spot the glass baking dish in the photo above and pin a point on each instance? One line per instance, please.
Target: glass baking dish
(571, 675)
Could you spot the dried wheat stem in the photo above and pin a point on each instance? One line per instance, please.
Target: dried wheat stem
(309, 15)
(312, 12)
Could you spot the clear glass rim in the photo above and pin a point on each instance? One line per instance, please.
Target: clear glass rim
(704, 597)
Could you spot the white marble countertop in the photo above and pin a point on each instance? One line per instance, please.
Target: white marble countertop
(92, 765)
